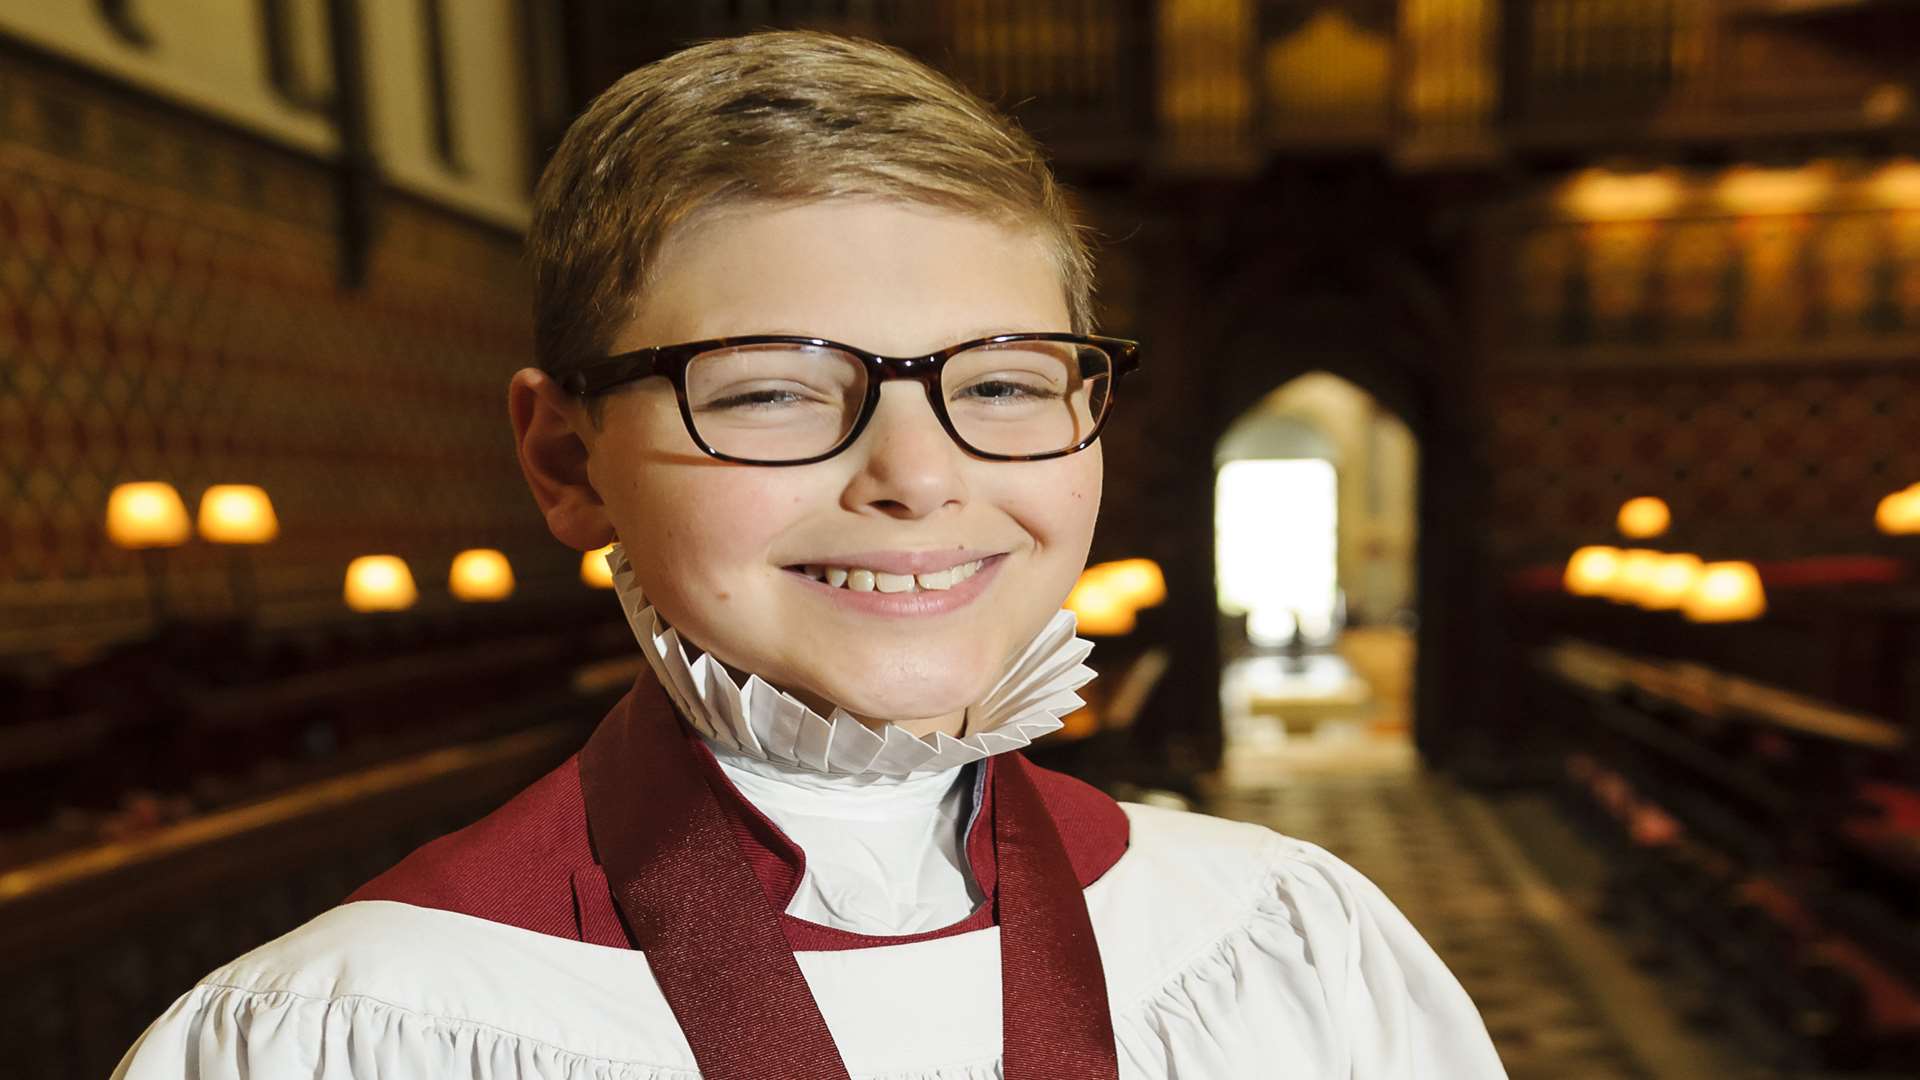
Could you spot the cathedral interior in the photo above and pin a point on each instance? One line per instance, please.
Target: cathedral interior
(1580, 337)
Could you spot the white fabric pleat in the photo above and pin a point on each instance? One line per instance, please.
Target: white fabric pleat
(759, 720)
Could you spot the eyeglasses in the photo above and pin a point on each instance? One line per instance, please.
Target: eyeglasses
(774, 399)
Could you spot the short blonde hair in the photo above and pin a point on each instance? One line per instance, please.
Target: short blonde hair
(779, 116)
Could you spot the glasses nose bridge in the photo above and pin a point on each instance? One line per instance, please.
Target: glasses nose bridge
(921, 369)
(924, 370)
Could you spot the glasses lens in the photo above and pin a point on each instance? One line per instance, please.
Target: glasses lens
(1028, 397)
(775, 402)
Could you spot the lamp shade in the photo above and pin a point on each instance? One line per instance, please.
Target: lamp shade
(1671, 582)
(1102, 610)
(480, 574)
(594, 569)
(1644, 517)
(380, 583)
(1137, 581)
(1592, 569)
(1899, 513)
(237, 514)
(1635, 576)
(1726, 592)
(146, 514)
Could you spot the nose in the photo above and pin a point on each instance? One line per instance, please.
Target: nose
(907, 466)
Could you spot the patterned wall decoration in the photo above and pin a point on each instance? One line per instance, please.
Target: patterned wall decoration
(1769, 464)
(1757, 367)
(170, 309)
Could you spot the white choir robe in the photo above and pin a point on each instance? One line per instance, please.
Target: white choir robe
(1230, 952)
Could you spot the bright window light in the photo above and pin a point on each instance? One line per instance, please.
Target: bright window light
(1275, 543)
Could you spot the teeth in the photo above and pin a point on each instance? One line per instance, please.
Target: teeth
(874, 580)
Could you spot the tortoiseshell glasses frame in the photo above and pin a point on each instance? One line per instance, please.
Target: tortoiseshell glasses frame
(672, 361)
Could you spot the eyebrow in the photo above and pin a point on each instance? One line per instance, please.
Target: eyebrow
(973, 336)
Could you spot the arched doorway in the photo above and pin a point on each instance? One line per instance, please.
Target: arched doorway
(1315, 532)
(1312, 277)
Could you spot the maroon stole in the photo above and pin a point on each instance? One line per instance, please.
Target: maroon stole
(725, 966)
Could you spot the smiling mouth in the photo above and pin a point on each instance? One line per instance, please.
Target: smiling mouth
(862, 579)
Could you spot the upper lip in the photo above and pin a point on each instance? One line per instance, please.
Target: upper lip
(901, 562)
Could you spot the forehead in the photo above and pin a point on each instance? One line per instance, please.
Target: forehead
(888, 276)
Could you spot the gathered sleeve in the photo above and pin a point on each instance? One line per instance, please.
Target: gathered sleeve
(230, 1033)
(1325, 977)
(221, 1033)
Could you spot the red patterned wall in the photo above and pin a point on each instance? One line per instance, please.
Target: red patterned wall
(1760, 371)
(1754, 465)
(170, 309)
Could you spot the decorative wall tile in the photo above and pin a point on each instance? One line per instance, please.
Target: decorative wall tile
(170, 309)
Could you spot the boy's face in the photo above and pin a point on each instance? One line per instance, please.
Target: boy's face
(716, 546)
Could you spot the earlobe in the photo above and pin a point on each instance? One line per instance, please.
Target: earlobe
(553, 457)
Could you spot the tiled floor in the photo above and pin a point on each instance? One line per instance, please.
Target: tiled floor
(1364, 799)
(1503, 886)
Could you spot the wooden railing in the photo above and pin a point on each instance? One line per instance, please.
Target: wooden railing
(96, 943)
(208, 713)
(1078, 73)
(1760, 848)
(1639, 73)
(1222, 84)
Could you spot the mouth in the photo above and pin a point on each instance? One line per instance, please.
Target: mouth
(866, 579)
(900, 584)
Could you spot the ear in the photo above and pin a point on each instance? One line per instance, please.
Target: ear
(550, 433)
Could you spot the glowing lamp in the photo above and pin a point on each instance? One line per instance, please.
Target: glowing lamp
(1602, 195)
(1644, 517)
(1138, 581)
(480, 574)
(1726, 592)
(1101, 610)
(380, 583)
(1592, 569)
(1753, 190)
(146, 514)
(594, 569)
(1898, 183)
(1671, 582)
(1635, 577)
(1899, 513)
(237, 514)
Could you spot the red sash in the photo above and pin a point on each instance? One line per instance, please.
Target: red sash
(724, 965)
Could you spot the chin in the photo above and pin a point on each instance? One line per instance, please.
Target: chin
(893, 706)
(908, 699)
(897, 681)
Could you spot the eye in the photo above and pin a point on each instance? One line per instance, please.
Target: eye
(1007, 388)
(769, 397)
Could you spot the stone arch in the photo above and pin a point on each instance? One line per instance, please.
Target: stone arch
(1373, 315)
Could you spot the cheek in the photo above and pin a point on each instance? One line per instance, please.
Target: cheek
(1060, 504)
(708, 523)
(717, 520)
(1085, 476)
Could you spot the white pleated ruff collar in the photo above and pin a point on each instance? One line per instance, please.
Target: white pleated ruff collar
(760, 721)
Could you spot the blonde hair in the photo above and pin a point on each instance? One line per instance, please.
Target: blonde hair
(778, 116)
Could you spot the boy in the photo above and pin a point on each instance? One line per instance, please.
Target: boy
(814, 340)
